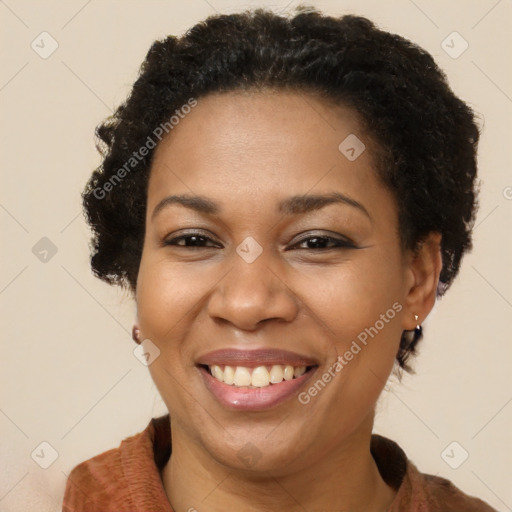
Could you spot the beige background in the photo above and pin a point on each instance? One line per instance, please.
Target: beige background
(68, 374)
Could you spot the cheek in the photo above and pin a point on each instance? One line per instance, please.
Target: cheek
(362, 309)
(167, 293)
(361, 293)
(361, 303)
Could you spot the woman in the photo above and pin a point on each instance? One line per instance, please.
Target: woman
(285, 198)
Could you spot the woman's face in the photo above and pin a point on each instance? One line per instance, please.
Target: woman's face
(290, 258)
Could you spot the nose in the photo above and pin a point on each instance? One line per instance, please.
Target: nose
(252, 293)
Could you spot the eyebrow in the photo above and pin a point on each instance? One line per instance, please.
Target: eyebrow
(291, 206)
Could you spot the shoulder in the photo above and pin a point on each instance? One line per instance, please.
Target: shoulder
(118, 479)
(96, 483)
(441, 495)
(416, 491)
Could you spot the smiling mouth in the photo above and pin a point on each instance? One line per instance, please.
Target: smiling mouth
(255, 380)
(257, 377)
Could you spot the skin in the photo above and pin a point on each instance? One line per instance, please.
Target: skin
(247, 152)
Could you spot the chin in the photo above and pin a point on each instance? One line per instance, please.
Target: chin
(265, 450)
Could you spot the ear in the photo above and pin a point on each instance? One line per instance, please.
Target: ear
(423, 267)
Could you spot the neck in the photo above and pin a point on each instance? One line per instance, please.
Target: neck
(344, 479)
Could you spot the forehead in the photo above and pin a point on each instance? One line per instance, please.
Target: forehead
(262, 123)
(262, 145)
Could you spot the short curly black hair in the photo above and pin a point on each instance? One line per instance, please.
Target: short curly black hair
(427, 137)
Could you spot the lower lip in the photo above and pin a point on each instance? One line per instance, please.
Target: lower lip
(253, 399)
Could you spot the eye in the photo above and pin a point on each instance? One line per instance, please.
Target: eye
(191, 241)
(323, 242)
(199, 240)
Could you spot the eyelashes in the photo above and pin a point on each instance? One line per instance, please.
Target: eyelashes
(195, 241)
(323, 240)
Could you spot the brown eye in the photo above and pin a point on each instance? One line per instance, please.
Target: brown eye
(323, 243)
(192, 240)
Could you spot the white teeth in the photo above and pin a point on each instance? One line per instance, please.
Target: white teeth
(242, 377)
(217, 372)
(259, 377)
(298, 371)
(276, 374)
(229, 375)
(288, 372)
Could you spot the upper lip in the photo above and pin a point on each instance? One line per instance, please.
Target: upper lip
(253, 358)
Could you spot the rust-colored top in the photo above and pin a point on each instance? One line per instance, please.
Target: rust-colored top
(127, 479)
